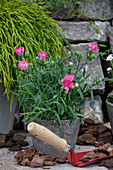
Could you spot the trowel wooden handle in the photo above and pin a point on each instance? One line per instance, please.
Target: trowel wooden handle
(46, 135)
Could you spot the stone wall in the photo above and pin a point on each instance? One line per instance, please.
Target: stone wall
(80, 33)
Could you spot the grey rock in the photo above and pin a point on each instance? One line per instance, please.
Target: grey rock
(93, 67)
(97, 9)
(84, 31)
(111, 38)
(94, 111)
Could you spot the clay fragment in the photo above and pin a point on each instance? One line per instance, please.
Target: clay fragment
(106, 137)
(8, 143)
(22, 143)
(25, 162)
(103, 129)
(18, 138)
(61, 159)
(10, 134)
(86, 139)
(38, 160)
(19, 157)
(98, 144)
(89, 121)
(49, 158)
(29, 152)
(107, 163)
(88, 156)
(2, 139)
(15, 148)
(49, 163)
(105, 146)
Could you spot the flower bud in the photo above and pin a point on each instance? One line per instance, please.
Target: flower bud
(27, 53)
(52, 62)
(42, 71)
(30, 75)
(14, 65)
(69, 53)
(23, 58)
(31, 65)
(70, 63)
(97, 81)
(76, 84)
(93, 56)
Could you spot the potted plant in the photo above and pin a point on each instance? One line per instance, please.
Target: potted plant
(52, 90)
(109, 100)
(23, 23)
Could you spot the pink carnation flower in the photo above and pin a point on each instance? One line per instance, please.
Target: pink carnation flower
(71, 76)
(23, 65)
(66, 89)
(93, 47)
(19, 50)
(66, 81)
(42, 55)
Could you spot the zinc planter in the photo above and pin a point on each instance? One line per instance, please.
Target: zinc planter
(70, 135)
(109, 106)
(6, 117)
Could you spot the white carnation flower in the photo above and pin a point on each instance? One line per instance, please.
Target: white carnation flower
(109, 57)
(109, 68)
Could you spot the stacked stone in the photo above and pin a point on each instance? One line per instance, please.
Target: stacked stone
(80, 33)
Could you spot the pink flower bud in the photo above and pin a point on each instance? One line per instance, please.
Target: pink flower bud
(23, 65)
(19, 50)
(76, 84)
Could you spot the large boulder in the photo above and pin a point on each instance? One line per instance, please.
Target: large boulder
(111, 38)
(94, 111)
(97, 9)
(85, 31)
(94, 66)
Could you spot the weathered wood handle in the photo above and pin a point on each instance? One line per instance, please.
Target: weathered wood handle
(46, 135)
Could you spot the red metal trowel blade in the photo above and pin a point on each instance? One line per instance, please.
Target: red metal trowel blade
(79, 163)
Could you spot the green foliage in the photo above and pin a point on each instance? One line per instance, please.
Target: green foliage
(41, 93)
(106, 50)
(56, 6)
(94, 26)
(24, 23)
